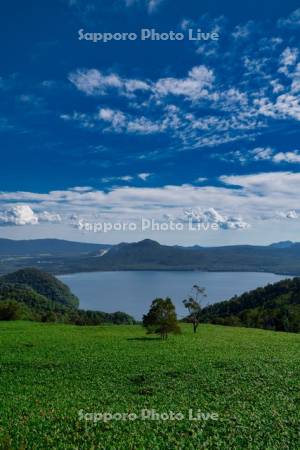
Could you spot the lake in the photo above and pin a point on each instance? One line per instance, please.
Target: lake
(133, 292)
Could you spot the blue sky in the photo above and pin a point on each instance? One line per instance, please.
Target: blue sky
(116, 131)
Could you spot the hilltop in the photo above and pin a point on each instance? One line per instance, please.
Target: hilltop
(44, 284)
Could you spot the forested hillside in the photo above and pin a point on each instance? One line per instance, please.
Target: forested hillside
(274, 307)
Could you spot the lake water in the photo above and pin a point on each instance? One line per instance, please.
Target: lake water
(133, 292)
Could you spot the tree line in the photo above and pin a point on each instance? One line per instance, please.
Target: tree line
(273, 307)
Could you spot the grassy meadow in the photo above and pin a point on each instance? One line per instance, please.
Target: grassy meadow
(49, 372)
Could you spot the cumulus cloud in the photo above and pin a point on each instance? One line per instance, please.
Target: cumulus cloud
(195, 86)
(25, 215)
(211, 215)
(18, 215)
(241, 199)
(269, 154)
(287, 157)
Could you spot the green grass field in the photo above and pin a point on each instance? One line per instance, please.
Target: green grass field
(250, 378)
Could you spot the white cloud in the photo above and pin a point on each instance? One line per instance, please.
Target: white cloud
(18, 215)
(289, 57)
(276, 183)
(94, 82)
(277, 86)
(232, 112)
(269, 154)
(116, 119)
(287, 61)
(119, 122)
(241, 200)
(195, 86)
(211, 215)
(144, 176)
(81, 188)
(46, 216)
(288, 214)
(285, 106)
(25, 215)
(288, 157)
(261, 153)
(116, 179)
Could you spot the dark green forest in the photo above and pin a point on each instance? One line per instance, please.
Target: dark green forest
(31, 294)
(274, 307)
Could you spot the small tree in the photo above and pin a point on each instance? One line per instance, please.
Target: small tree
(161, 318)
(193, 305)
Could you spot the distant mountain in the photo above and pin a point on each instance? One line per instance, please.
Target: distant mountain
(143, 252)
(70, 257)
(284, 244)
(49, 247)
(274, 307)
(148, 254)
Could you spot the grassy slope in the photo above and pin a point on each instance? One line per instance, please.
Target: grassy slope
(49, 372)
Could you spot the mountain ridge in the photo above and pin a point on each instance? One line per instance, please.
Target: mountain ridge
(72, 257)
(37, 246)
